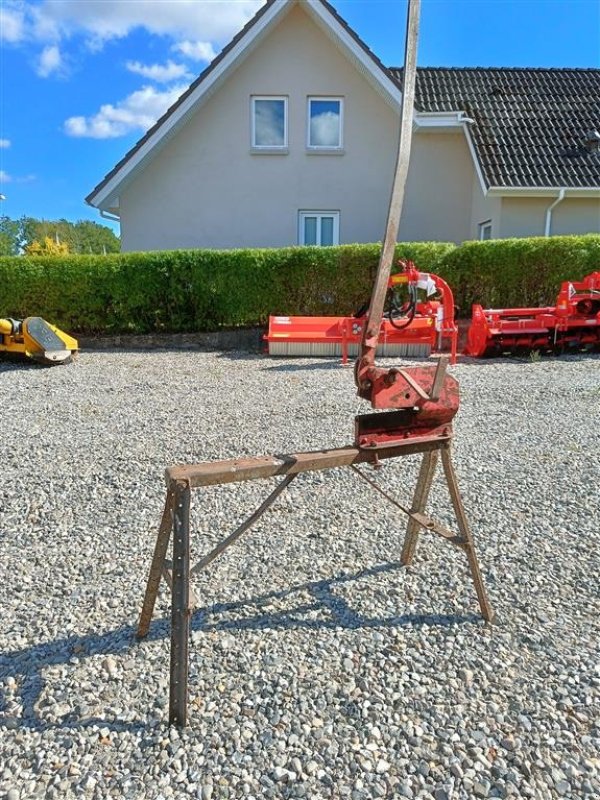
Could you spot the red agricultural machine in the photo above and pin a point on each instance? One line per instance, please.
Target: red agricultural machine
(410, 326)
(572, 325)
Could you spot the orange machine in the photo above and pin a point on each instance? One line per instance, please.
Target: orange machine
(410, 326)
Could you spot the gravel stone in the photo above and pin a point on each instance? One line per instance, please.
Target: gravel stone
(319, 666)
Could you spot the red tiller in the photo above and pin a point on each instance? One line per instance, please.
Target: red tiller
(571, 325)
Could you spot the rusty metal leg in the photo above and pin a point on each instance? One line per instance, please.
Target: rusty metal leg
(180, 606)
(158, 560)
(468, 545)
(422, 490)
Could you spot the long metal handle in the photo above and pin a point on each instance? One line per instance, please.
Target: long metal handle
(371, 330)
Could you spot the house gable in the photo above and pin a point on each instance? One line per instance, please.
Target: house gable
(208, 187)
(106, 194)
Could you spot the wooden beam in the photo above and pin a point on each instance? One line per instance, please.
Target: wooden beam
(211, 473)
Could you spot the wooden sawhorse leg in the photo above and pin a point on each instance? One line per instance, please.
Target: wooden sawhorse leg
(424, 481)
(463, 525)
(180, 605)
(465, 541)
(157, 566)
(176, 517)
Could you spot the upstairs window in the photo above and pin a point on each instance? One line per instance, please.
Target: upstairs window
(325, 123)
(319, 228)
(485, 230)
(269, 122)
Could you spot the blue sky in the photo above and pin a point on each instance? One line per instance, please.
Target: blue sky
(81, 80)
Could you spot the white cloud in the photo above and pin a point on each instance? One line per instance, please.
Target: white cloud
(12, 22)
(6, 178)
(197, 51)
(138, 111)
(161, 73)
(101, 20)
(325, 129)
(196, 28)
(50, 61)
(4, 143)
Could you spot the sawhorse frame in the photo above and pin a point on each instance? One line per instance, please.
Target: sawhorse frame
(176, 517)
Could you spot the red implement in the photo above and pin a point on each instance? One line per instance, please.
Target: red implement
(415, 329)
(572, 325)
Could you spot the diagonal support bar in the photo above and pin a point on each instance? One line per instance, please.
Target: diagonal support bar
(225, 543)
(421, 519)
(156, 568)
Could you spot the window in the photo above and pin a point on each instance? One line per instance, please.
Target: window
(269, 122)
(319, 228)
(485, 230)
(325, 123)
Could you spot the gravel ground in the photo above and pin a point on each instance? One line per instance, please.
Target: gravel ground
(320, 668)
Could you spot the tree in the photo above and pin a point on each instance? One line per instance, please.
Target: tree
(93, 238)
(83, 237)
(10, 236)
(47, 247)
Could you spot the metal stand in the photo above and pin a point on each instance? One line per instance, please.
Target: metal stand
(176, 517)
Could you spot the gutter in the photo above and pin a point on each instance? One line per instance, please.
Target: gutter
(542, 191)
(106, 215)
(559, 198)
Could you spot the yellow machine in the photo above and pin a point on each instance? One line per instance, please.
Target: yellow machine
(35, 338)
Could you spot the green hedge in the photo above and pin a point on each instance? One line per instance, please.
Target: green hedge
(202, 290)
(508, 273)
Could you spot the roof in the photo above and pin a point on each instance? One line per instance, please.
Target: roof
(529, 125)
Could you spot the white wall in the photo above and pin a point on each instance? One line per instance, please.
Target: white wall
(522, 216)
(439, 188)
(483, 209)
(576, 215)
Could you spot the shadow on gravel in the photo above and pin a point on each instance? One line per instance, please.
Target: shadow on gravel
(19, 365)
(317, 597)
(286, 363)
(248, 614)
(329, 365)
(529, 360)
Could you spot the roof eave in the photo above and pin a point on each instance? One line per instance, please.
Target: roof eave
(439, 120)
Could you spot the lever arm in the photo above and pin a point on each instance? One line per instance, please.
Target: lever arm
(370, 336)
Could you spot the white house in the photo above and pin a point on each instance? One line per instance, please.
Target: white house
(290, 137)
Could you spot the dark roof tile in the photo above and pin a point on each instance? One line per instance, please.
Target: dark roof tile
(529, 125)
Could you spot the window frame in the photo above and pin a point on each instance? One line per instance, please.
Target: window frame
(268, 147)
(483, 227)
(302, 215)
(327, 147)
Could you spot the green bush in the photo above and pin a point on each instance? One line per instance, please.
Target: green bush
(508, 273)
(203, 290)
